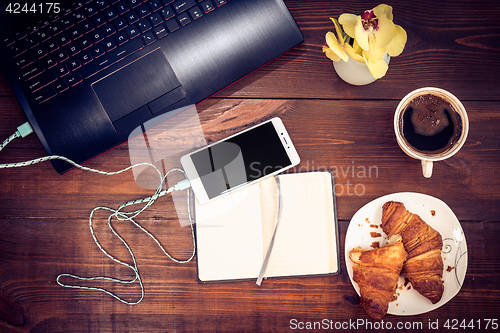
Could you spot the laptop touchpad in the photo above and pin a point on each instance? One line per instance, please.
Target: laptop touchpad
(137, 84)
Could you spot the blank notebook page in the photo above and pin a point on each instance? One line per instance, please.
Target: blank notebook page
(302, 244)
(229, 246)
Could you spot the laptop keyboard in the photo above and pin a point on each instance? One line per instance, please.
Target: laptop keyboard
(72, 46)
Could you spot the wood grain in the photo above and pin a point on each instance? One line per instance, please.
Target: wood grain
(451, 44)
(44, 217)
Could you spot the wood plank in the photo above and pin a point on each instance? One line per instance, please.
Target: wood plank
(34, 258)
(354, 139)
(454, 48)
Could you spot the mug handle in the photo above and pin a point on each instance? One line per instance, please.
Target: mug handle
(427, 168)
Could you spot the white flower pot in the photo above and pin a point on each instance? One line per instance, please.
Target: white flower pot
(355, 72)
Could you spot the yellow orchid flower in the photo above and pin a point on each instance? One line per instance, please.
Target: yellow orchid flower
(374, 34)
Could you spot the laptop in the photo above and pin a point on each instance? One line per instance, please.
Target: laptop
(88, 72)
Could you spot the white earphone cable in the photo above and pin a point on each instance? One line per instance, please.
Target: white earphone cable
(26, 129)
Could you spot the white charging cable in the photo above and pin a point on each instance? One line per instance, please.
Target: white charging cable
(25, 129)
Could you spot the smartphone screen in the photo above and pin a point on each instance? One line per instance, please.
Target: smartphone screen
(241, 159)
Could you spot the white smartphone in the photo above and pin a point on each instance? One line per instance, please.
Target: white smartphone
(239, 160)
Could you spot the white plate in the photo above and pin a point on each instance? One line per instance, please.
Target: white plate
(439, 216)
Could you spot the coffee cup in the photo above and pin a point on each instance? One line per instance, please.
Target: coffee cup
(431, 125)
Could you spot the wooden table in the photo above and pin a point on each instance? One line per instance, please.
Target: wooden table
(44, 216)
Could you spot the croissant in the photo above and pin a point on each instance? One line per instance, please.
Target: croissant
(424, 266)
(376, 272)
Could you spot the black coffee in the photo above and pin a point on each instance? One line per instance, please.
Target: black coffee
(431, 124)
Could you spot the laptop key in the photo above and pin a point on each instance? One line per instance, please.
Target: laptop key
(66, 22)
(182, 5)
(78, 16)
(77, 5)
(39, 52)
(73, 49)
(102, 4)
(144, 25)
(97, 36)
(109, 29)
(112, 57)
(134, 3)
(85, 58)
(60, 86)
(51, 46)
(42, 80)
(55, 29)
(132, 17)
(74, 64)
(148, 38)
(155, 5)
(100, 20)
(43, 35)
(24, 60)
(18, 36)
(75, 32)
(121, 38)
(120, 23)
(167, 13)
(160, 31)
(61, 55)
(125, 50)
(172, 25)
(122, 7)
(62, 70)
(17, 48)
(49, 62)
(8, 40)
(195, 12)
(74, 78)
(219, 3)
(31, 71)
(97, 51)
(111, 14)
(94, 67)
(90, 10)
(155, 19)
(31, 41)
(184, 19)
(44, 94)
(85, 43)
(143, 10)
(109, 44)
(132, 31)
(63, 39)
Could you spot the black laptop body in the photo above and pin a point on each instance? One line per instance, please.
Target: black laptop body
(90, 74)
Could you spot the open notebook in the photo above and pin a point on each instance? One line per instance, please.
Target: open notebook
(233, 233)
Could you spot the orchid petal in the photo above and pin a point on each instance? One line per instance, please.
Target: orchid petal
(361, 35)
(357, 48)
(351, 52)
(349, 22)
(374, 54)
(397, 44)
(385, 31)
(383, 9)
(330, 54)
(377, 69)
(334, 45)
(338, 30)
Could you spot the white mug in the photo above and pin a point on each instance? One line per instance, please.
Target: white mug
(427, 158)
